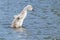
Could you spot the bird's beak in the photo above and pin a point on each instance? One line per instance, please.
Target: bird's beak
(32, 9)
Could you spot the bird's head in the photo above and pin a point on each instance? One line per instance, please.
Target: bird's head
(29, 7)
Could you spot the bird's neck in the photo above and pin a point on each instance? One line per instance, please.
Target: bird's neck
(25, 10)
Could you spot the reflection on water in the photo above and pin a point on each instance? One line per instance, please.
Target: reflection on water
(43, 23)
(20, 29)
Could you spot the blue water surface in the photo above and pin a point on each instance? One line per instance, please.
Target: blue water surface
(43, 23)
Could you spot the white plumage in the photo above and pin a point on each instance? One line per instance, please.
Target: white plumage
(18, 19)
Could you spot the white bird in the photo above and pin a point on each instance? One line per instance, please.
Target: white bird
(18, 19)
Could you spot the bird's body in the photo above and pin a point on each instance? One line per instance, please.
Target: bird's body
(18, 19)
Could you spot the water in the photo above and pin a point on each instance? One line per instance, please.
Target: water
(43, 23)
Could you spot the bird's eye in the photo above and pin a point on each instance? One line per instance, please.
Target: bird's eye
(18, 18)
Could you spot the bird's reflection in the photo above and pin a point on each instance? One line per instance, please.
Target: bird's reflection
(20, 29)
